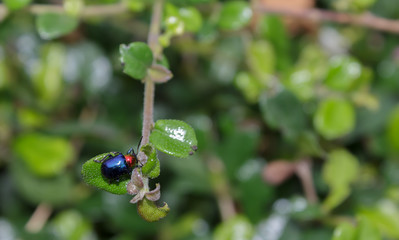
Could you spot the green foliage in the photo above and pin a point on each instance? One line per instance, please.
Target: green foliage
(152, 167)
(233, 229)
(343, 164)
(191, 18)
(250, 86)
(73, 7)
(70, 224)
(48, 81)
(54, 25)
(256, 88)
(56, 190)
(346, 74)
(234, 15)
(149, 211)
(91, 172)
(136, 58)
(283, 111)
(344, 231)
(174, 137)
(393, 130)
(44, 155)
(334, 118)
(16, 4)
(261, 59)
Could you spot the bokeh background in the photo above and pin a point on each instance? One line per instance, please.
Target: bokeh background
(297, 123)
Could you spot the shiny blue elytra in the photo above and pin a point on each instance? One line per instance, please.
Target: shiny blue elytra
(116, 166)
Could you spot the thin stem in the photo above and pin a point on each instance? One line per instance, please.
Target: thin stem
(221, 188)
(365, 20)
(38, 218)
(88, 11)
(304, 172)
(149, 88)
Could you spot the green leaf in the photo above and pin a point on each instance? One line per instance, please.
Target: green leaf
(385, 216)
(54, 25)
(44, 155)
(174, 137)
(392, 131)
(366, 230)
(261, 58)
(16, 4)
(73, 7)
(274, 30)
(137, 58)
(250, 86)
(150, 212)
(189, 2)
(91, 172)
(339, 172)
(152, 167)
(334, 118)
(191, 18)
(283, 111)
(47, 80)
(57, 190)
(236, 228)
(234, 15)
(70, 224)
(344, 231)
(346, 74)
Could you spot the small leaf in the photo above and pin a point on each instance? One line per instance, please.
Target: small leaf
(44, 155)
(234, 15)
(152, 167)
(54, 25)
(283, 111)
(16, 4)
(345, 74)
(339, 172)
(137, 58)
(334, 118)
(73, 7)
(150, 212)
(384, 216)
(261, 58)
(367, 230)
(56, 191)
(159, 74)
(344, 231)
(238, 227)
(91, 172)
(174, 137)
(191, 18)
(71, 224)
(392, 131)
(250, 86)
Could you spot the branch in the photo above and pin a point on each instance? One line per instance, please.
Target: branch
(88, 11)
(367, 20)
(149, 88)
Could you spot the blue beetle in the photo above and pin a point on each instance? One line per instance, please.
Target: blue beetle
(116, 166)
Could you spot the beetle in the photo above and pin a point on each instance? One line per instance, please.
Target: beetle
(115, 165)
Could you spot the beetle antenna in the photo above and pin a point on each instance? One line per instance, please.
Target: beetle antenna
(138, 145)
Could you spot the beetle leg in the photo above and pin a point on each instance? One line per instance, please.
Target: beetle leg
(103, 159)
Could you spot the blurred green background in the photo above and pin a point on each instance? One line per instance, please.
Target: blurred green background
(297, 123)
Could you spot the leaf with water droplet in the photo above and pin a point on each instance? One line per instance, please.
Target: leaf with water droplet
(174, 137)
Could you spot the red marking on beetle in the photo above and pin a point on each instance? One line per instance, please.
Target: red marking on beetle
(131, 160)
